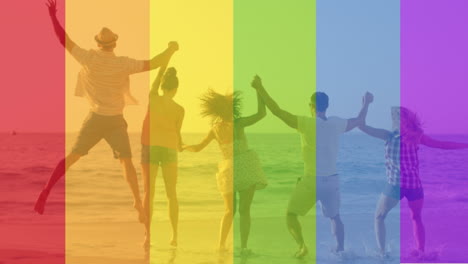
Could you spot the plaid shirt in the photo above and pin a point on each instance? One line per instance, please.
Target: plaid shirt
(402, 163)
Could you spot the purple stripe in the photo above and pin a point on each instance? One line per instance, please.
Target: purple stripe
(434, 84)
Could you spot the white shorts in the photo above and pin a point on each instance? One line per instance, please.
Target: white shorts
(309, 190)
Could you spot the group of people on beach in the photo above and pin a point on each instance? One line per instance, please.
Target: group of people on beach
(104, 81)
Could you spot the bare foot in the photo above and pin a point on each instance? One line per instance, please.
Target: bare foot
(147, 242)
(302, 252)
(245, 252)
(383, 255)
(141, 212)
(418, 254)
(41, 201)
(338, 250)
(173, 241)
(222, 249)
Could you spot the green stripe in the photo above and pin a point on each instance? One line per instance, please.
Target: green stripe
(276, 40)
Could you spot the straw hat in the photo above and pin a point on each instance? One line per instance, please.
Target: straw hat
(106, 37)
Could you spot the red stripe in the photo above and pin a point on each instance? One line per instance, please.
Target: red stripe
(32, 100)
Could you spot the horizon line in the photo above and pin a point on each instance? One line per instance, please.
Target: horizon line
(204, 132)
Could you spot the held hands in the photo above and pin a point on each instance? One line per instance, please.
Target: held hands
(367, 99)
(257, 82)
(183, 147)
(52, 7)
(190, 148)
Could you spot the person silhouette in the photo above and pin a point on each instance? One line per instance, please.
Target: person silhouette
(402, 169)
(320, 143)
(104, 82)
(161, 140)
(240, 170)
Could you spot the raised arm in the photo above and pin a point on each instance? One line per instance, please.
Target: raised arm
(360, 119)
(434, 143)
(261, 109)
(157, 82)
(59, 31)
(161, 59)
(288, 118)
(375, 132)
(202, 145)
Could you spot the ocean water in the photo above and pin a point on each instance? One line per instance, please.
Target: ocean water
(95, 186)
(32, 157)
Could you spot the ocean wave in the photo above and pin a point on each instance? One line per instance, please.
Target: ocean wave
(10, 174)
(14, 204)
(37, 169)
(358, 185)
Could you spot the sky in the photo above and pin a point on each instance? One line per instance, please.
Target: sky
(42, 77)
(356, 49)
(203, 30)
(278, 44)
(434, 63)
(32, 97)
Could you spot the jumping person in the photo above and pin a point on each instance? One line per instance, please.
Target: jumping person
(104, 81)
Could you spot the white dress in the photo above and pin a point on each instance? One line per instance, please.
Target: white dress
(244, 164)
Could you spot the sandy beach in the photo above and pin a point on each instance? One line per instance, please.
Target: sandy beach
(99, 225)
(121, 243)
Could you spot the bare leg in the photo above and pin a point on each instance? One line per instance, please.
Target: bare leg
(169, 172)
(226, 221)
(338, 232)
(384, 206)
(418, 226)
(149, 180)
(131, 177)
(245, 201)
(295, 229)
(58, 173)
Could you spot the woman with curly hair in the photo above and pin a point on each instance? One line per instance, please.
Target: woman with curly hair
(240, 170)
(402, 167)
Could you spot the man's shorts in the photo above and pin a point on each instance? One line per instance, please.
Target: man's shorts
(309, 190)
(398, 193)
(157, 155)
(111, 128)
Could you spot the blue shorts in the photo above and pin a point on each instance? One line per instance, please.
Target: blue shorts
(398, 193)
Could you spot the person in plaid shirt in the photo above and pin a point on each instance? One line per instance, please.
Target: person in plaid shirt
(402, 168)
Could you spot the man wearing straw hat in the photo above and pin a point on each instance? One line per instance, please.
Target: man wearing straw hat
(104, 81)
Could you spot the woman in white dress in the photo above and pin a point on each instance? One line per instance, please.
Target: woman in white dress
(240, 170)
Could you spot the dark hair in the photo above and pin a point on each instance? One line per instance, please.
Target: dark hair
(170, 80)
(412, 125)
(217, 106)
(320, 101)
